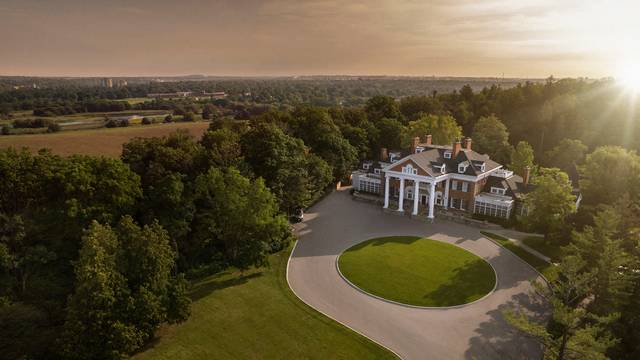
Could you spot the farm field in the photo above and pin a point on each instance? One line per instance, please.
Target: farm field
(106, 142)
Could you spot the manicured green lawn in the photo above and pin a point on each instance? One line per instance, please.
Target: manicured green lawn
(549, 249)
(545, 268)
(415, 271)
(256, 316)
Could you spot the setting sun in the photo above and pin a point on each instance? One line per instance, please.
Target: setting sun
(629, 76)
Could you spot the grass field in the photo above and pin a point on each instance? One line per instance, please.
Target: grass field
(106, 142)
(549, 249)
(256, 316)
(545, 268)
(416, 271)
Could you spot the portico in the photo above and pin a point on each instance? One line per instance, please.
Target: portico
(411, 187)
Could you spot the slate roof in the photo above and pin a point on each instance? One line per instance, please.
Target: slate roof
(434, 155)
(514, 185)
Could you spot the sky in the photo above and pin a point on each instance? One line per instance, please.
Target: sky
(534, 38)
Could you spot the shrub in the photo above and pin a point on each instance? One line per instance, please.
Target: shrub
(146, 121)
(168, 119)
(111, 123)
(53, 127)
(123, 123)
(189, 117)
(5, 130)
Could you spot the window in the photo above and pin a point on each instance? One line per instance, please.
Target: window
(462, 167)
(502, 211)
(498, 191)
(455, 203)
(447, 154)
(365, 166)
(410, 194)
(409, 169)
(419, 149)
(463, 204)
(369, 186)
(465, 186)
(376, 171)
(482, 167)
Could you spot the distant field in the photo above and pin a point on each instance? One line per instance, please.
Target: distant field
(106, 142)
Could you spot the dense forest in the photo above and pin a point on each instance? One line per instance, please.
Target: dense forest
(96, 253)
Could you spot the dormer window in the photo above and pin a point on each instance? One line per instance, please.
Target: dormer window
(441, 168)
(498, 191)
(409, 169)
(482, 167)
(447, 154)
(365, 166)
(419, 149)
(462, 167)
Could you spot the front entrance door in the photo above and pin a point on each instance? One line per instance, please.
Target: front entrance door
(424, 198)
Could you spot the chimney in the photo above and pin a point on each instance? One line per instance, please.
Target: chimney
(456, 148)
(467, 143)
(414, 144)
(384, 154)
(427, 139)
(526, 176)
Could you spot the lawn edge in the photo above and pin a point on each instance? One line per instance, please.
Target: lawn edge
(329, 316)
(495, 284)
(518, 257)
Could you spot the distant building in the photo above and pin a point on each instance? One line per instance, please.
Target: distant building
(106, 82)
(189, 94)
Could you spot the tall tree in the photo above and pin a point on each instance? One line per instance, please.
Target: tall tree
(550, 202)
(442, 128)
(621, 168)
(521, 158)
(566, 154)
(490, 136)
(383, 107)
(574, 333)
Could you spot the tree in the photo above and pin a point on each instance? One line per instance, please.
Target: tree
(382, 107)
(605, 258)
(490, 136)
(442, 128)
(320, 133)
(238, 218)
(94, 327)
(207, 111)
(222, 148)
(567, 154)
(390, 134)
(521, 158)
(124, 290)
(574, 332)
(550, 202)
(621, 168)
(283, 162)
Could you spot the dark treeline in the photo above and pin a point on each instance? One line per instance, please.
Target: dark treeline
(93, 250)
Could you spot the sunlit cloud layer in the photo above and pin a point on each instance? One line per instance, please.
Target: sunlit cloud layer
(288, 37)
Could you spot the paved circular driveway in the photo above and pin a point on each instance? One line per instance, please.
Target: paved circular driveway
(474, 331)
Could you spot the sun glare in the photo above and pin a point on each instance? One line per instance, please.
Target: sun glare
(629, 77)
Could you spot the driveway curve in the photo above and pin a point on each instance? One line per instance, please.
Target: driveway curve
(473, 331)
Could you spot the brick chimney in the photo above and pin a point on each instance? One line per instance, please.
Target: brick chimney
(414, 144)
(384, 154)
(467, 143)
(457, 146)
(526, 176)
(427, 139)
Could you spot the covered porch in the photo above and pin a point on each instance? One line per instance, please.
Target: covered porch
(411, 192)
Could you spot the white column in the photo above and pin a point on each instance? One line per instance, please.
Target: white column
(416, 195)
(386, 191)
(432, 195)
(446, 194)
(401, 197)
